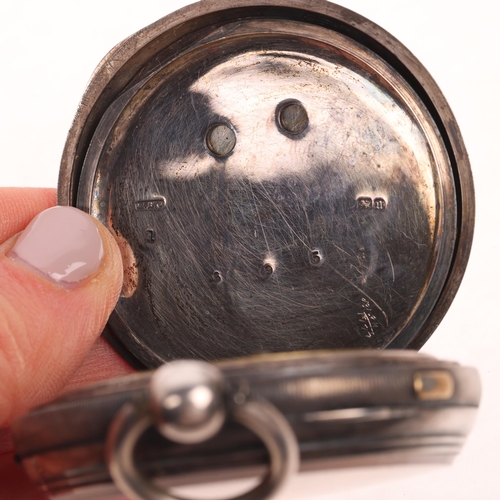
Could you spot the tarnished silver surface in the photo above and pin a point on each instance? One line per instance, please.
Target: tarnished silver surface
(345, 409)
(279, 177)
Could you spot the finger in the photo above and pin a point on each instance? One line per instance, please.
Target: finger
(101, 362)
(19, 205)
(59, 281)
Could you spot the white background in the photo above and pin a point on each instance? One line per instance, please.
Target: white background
(49, 49)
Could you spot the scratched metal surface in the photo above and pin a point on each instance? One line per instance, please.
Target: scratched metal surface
(338, 236)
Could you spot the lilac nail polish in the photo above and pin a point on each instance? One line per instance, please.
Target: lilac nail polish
(61, 243)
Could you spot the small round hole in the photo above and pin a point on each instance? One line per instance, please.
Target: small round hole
(217, 277)
(266, 270)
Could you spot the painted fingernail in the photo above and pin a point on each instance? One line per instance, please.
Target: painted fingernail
(62, 244)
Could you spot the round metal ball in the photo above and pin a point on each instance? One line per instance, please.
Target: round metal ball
(187, 400)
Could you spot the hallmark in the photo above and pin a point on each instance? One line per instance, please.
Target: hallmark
(367, 203)
(364, 203)
(152, 204)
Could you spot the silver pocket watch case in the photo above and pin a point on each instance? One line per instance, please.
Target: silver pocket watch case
(280, 176)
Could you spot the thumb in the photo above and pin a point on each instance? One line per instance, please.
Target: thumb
(59, 281)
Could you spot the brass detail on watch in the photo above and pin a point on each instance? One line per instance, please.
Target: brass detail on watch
(433, 385)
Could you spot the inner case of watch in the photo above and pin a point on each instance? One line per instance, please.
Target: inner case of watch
(279, 177)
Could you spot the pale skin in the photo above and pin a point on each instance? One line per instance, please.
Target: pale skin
(49, 336)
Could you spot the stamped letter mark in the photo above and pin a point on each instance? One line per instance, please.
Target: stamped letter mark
(152, 204)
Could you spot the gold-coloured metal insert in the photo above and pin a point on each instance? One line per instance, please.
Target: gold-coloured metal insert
(433, 385)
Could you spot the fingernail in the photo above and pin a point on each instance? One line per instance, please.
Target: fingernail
(62, 244)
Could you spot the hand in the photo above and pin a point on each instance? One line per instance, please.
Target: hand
(60, 279)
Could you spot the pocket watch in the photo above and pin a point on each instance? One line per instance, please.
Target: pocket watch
(294, 207)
